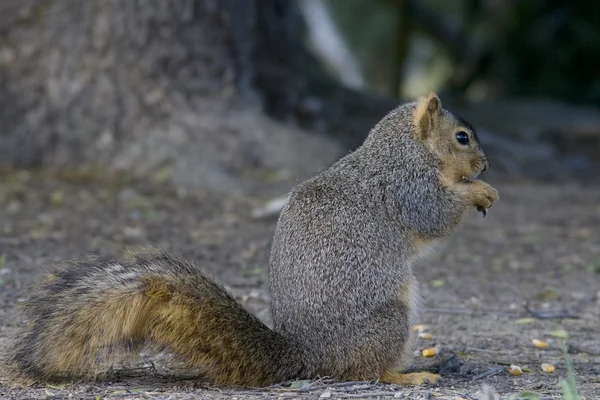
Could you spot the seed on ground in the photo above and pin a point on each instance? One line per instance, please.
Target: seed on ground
(425, 336)
(419, 328)
(430, 352)
(515, 370)
(548, 368)
(540, 344)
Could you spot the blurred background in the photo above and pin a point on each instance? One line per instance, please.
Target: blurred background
(234, 94)
(182, 124)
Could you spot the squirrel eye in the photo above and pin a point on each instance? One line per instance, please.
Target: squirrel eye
(462, 137)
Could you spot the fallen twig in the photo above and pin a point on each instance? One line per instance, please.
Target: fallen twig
(488, 373)
(550, 314)
(321, 384)
(573, 347)
(363, 395)
(570, 312)
(311, 387)
(505, 352)
(584, 302)
(333, 385)
(468, 311)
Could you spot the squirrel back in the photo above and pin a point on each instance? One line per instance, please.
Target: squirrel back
(343, 292)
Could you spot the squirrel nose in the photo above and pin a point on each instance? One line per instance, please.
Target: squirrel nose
(486, 165)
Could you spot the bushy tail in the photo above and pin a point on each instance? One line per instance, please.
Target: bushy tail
(85, 315)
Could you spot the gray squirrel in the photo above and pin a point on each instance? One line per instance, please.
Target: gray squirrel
(343, 292)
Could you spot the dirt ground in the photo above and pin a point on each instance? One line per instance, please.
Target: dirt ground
(490, 289)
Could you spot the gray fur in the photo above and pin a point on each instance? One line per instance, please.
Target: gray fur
(343, 249)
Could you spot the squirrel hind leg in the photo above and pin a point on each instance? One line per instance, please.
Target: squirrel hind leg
(409, 379)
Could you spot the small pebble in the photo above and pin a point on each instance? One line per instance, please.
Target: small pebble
(13, 207)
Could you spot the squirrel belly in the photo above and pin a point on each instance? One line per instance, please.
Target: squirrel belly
(341, 281)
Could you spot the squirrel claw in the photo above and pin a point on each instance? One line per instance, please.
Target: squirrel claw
(482, 210)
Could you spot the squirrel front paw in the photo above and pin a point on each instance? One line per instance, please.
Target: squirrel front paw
(483, 195)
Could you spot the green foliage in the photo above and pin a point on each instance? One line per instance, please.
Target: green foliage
(369, 28)
(551, 49)
(525, 48)
(569, 386)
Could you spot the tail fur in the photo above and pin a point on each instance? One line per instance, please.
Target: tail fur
(91, 312)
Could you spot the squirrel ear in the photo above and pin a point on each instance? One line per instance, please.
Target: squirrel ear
(427, 111)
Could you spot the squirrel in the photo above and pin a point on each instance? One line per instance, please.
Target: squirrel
(343, 292)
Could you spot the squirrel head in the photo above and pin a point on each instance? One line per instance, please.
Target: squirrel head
(450, 139)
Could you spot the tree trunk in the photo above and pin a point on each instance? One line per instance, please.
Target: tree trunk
(178, 88)
(80, 77)
(102, 81)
